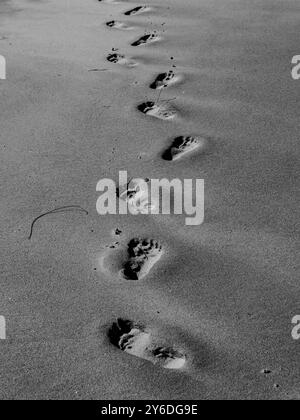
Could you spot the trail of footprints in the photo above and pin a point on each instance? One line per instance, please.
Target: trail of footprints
(121, 59)
(143, 254)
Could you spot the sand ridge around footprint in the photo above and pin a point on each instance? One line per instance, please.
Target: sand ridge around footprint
(147, 39)
(162, 110)
(143, 254)
(138, 10)
(120, 59)
(164, 80)
(136, 340)
(183, 146)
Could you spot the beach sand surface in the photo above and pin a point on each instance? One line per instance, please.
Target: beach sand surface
(224, 292)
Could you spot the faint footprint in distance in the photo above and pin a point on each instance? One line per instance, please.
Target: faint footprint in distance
(146, 39)
(137, 341)
(121, 59)
(184, 145)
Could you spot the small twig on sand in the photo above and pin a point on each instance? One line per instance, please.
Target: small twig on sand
(57, 210)
(98, 70)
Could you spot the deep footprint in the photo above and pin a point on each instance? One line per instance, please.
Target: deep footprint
(164, 80)
(117, 58)
(114, 24)
(134, 339)
(182, 146)
(161, 111)
(143, 254)
(146, 39)
(137, 10)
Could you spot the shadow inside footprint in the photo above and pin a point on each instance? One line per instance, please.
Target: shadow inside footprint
(143, 255)
(162, 111)
(109, 1)
(146, 39)
(183, 145)
(137, 10)
(115, 58)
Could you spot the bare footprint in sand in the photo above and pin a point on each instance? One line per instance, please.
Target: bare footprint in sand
(136, 195)
(143, 254)
(114, 24)
(162, 111)
(134, 339)
(121, 59)
(137, 10)
(146, 39)
(109, 1)
(165, 80)
(184, 145)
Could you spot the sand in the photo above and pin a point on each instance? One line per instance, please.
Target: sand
(225, 292)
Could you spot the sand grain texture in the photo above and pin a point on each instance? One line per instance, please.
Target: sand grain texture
(226, 291)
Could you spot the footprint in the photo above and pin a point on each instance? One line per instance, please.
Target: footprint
(121, 59)
(143, 254)
(164, 80)
(136, 195)
(183, 145)
(109, 1)
(137, 10)
(161, 110)
(134, 339)
(118, 25)
(146, 39)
